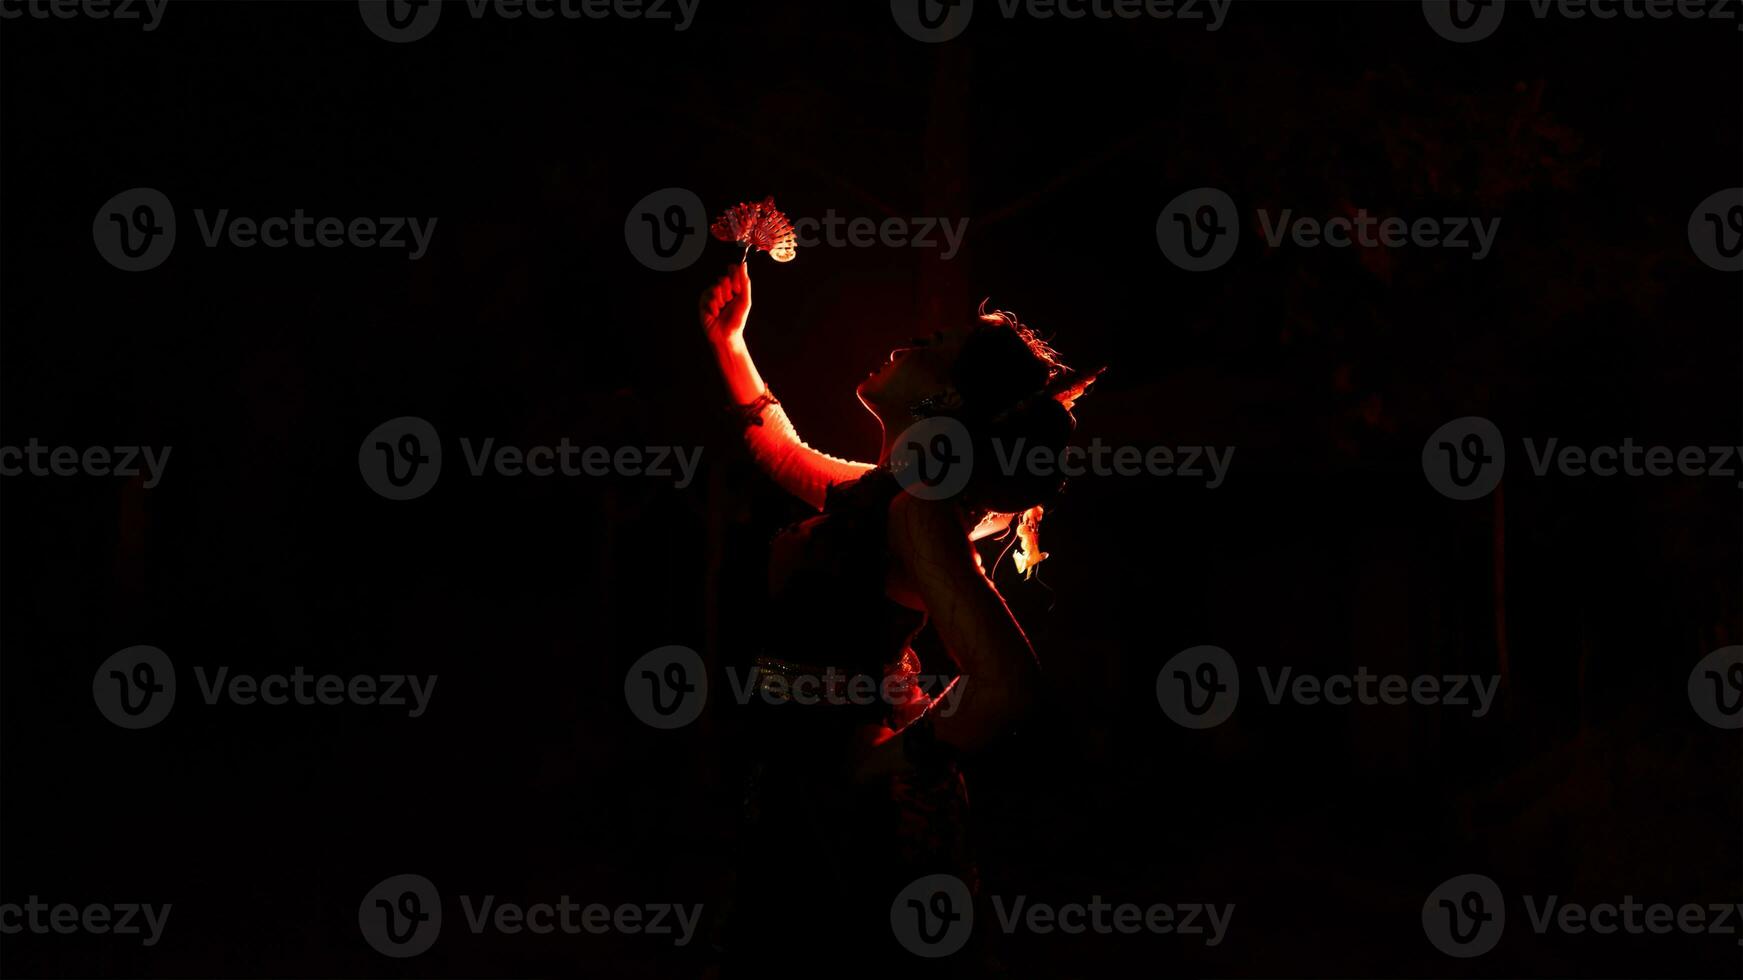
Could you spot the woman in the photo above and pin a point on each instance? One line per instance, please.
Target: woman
(855, 797)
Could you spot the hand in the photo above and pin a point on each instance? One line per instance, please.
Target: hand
(725, 306)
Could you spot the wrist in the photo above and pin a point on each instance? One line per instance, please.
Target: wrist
(731, 348)
(743, 383)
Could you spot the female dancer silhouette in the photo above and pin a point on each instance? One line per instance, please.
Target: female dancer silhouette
(853, 797)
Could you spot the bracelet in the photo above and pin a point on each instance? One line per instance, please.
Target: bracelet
(752, 414)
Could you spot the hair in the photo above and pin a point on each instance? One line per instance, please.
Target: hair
(1016, 395)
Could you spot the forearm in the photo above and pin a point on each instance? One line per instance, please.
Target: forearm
(743, 382)
(1001, 677)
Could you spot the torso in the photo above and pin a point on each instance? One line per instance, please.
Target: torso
(868, 815)
(838, 599)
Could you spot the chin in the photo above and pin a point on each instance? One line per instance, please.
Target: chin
(871, 389)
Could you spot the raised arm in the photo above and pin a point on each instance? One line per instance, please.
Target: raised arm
(797, 468)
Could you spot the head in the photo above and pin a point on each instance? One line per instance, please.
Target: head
(1003, 383)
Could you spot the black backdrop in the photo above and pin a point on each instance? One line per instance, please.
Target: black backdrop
(530, 320)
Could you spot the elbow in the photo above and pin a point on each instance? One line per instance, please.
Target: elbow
(982, 710)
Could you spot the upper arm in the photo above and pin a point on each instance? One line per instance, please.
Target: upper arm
(798, 469)
(999, 672)
(810, 473)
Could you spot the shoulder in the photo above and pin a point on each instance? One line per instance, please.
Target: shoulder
(935, 530)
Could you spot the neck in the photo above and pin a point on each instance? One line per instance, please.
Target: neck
(892, 431)
(888, 444)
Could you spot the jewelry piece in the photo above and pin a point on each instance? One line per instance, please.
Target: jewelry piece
(752, 414)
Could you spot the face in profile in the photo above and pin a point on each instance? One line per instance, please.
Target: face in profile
(921, 370)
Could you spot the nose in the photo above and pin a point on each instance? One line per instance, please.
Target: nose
(898, 352)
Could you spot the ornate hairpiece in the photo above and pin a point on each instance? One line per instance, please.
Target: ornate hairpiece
(1066, 388)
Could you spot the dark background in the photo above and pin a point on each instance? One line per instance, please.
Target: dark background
(530, 321)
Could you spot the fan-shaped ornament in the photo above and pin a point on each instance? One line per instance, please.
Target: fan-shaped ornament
(759, 226)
